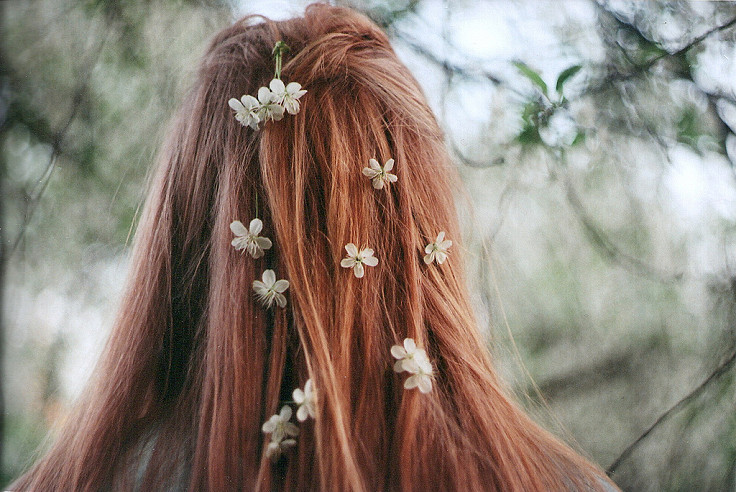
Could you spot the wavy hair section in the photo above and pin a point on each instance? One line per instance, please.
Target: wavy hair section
(195, 366)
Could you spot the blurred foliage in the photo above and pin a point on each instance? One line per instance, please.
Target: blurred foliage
(601, 234)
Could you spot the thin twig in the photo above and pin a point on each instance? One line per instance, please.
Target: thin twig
(56, 146)
(718, 372)
(608, 247)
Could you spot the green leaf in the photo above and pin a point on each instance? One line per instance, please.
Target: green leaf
(529, 135)
(531, 75)
(566, 74)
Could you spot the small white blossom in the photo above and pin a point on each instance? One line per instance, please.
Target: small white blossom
(414, 361)
(269, 109)
(282, 432)
(248, 239)
(422, 377)
(287, 96)
(407, 356)
(277, 448)
(246, 111)
(279, 426)
(356, 259)
(307, 401)
(380, 175)
(270, 290)
(437, 250)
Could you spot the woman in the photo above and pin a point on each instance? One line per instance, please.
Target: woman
(339, 171)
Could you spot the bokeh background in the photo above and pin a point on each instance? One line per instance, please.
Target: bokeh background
(596, 143)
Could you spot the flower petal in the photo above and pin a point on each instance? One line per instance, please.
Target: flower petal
(298, 396)
(280, 299)
(351, 249)
(423, 362)
(358, 270)
(410, 366)
(374, 165)
(249, 102)
(428, 258)
(440, 237)
(285, 413)
(235, 104)
(269, 278)
(293, 87)
(255, 226)
(264, 95)
(389, 165)
(370, 261)
(424, 383)
(238, 228)
(410, 345)
(347, 262)
(399, 366)
(398, 352)
(273, 450)
(371, 173)
(302, 413)
(280, 285)
(277, 86)
(411, 382)
(260, 288)
(378, 183)
(263, 242)
(441, 256)
(291, 429)
(366, 252)
(269, 425)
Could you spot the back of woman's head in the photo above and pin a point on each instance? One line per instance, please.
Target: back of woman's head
(196, 364)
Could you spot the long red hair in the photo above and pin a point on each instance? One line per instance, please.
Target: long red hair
(195, 364)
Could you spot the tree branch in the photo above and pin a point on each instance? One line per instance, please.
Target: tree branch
(717, 373)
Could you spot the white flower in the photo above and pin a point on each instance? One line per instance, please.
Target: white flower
(437, 250)
(248, 239)
(307, 401)
(246, 111)
(269, 108)
(380, 175)
(276, 448)
(356, 259)
(279, 426)
(282, 431)
(408, 356)
(270, 289)
(422, 377)
(287, 96)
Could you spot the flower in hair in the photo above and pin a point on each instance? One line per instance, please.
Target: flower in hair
(277, 448)
(270, 290)
(414, 361)
(437, 250)
(380, 175)
(246, 111)
(356, 259)
(407, 356)
(422, 377)
(282, 432)
(288, 96)
(248, 239)
(269, 109)
(307, 401)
